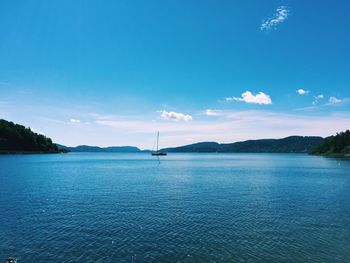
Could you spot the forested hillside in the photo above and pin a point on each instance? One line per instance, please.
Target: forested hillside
(292, 144)
(17, 138)
(335, 145)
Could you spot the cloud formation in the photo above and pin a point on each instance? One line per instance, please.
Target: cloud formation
(249, 97)
(302, 91)
(317, 99)
(74, 120)
(230, 126)
(171, 115)
(279, 17)
(334, 100)
(210, 112)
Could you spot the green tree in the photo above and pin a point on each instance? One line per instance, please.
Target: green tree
(17, 138)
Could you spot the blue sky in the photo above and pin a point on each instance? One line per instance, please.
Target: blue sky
(114, 72)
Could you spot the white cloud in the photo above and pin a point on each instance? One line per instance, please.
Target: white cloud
(280, 16)
(74, 120)
(171, 115)
(249, 97)
(302, 91)
(317, 99)
(334, 100)
(210, 112)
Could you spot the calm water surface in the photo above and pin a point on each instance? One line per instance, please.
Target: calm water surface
(189, 208)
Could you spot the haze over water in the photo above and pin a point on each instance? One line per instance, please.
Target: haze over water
(96, 207)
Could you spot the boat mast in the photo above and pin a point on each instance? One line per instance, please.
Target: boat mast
(157, 140)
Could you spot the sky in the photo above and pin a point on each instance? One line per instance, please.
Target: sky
(115, 72)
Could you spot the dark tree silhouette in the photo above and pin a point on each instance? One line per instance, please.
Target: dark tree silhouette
(17, 138)
(335, 145)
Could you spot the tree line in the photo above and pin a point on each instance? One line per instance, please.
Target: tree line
(338, 144)
(17, 138)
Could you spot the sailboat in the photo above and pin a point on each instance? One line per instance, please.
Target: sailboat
(157, 152)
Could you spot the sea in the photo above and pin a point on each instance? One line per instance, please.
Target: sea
(195, 207)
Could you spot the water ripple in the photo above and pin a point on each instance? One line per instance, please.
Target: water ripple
(191, 208)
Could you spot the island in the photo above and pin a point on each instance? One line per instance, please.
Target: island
(337, 145)
(15, 138)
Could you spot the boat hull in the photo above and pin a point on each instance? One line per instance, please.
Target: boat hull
(159, 154)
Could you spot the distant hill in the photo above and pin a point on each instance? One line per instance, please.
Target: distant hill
(15, 138)
(196, 147)
(292, 144)
(338, 145)
(87, 148)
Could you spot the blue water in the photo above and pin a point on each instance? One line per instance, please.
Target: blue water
(189, 208)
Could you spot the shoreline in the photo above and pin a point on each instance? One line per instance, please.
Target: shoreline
(333, 155)
(27, 152)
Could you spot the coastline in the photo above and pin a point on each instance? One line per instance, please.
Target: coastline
(28, 152)
(333, 155)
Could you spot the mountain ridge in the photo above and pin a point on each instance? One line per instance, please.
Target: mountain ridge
(88, 148)
(290, 144)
